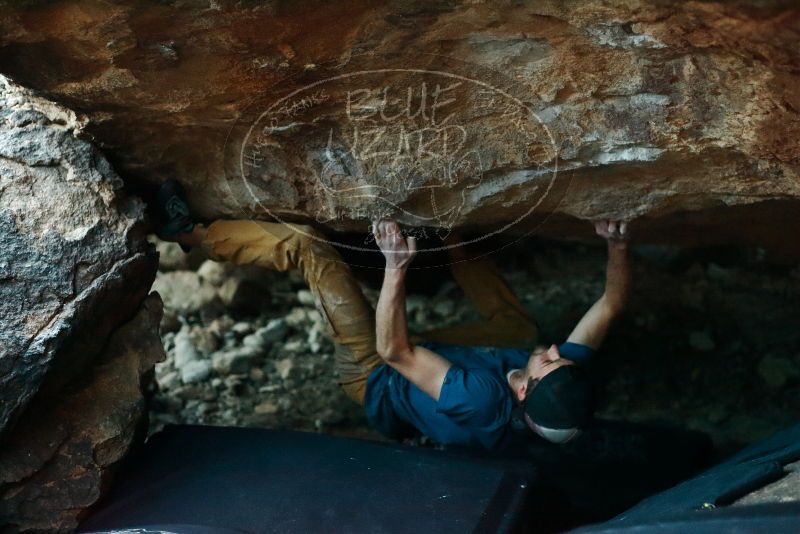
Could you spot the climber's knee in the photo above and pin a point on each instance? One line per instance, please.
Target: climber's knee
(306, 234)
(307, 239)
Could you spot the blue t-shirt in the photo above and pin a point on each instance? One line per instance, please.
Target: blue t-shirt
(475, 402)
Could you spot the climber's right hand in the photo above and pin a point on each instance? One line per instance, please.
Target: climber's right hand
(398, 249)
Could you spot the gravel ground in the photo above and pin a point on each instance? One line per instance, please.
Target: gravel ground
(710, 342)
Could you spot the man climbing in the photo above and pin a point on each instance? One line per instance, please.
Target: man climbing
(468, 385)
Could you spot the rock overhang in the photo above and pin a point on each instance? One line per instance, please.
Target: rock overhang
(668, 113)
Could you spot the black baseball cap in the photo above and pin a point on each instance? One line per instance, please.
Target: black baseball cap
(560, 405)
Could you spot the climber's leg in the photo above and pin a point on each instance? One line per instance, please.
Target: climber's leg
(350, 318)
(505, 324)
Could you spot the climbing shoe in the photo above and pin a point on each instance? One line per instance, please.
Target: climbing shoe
(172, 214)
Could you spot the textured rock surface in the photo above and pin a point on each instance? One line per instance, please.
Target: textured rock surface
(74, 263)
(787, 489)
(673, 111)
(59, 460)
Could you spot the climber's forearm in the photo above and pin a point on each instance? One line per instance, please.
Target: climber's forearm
(391, 324)
(422, 367)
(618, 277)
(595, 324)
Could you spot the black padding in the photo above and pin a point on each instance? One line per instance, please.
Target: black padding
(172, 528)
(614, 464)
(783, 447)
(255, 480)
(737, 476)
(733, 478)
(778, 518)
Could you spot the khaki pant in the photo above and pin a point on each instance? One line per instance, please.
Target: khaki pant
(350, 318)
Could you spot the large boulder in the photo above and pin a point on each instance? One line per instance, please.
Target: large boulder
(685, 114)
(60, 459)
(74, 261)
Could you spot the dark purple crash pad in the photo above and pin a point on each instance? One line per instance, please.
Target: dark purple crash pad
(204, 480)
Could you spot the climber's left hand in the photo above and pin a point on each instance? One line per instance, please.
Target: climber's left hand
(613, 230)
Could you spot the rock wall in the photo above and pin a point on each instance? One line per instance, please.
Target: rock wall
(684, 114)
(74, 261)
(61, 457)
(74, 268)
